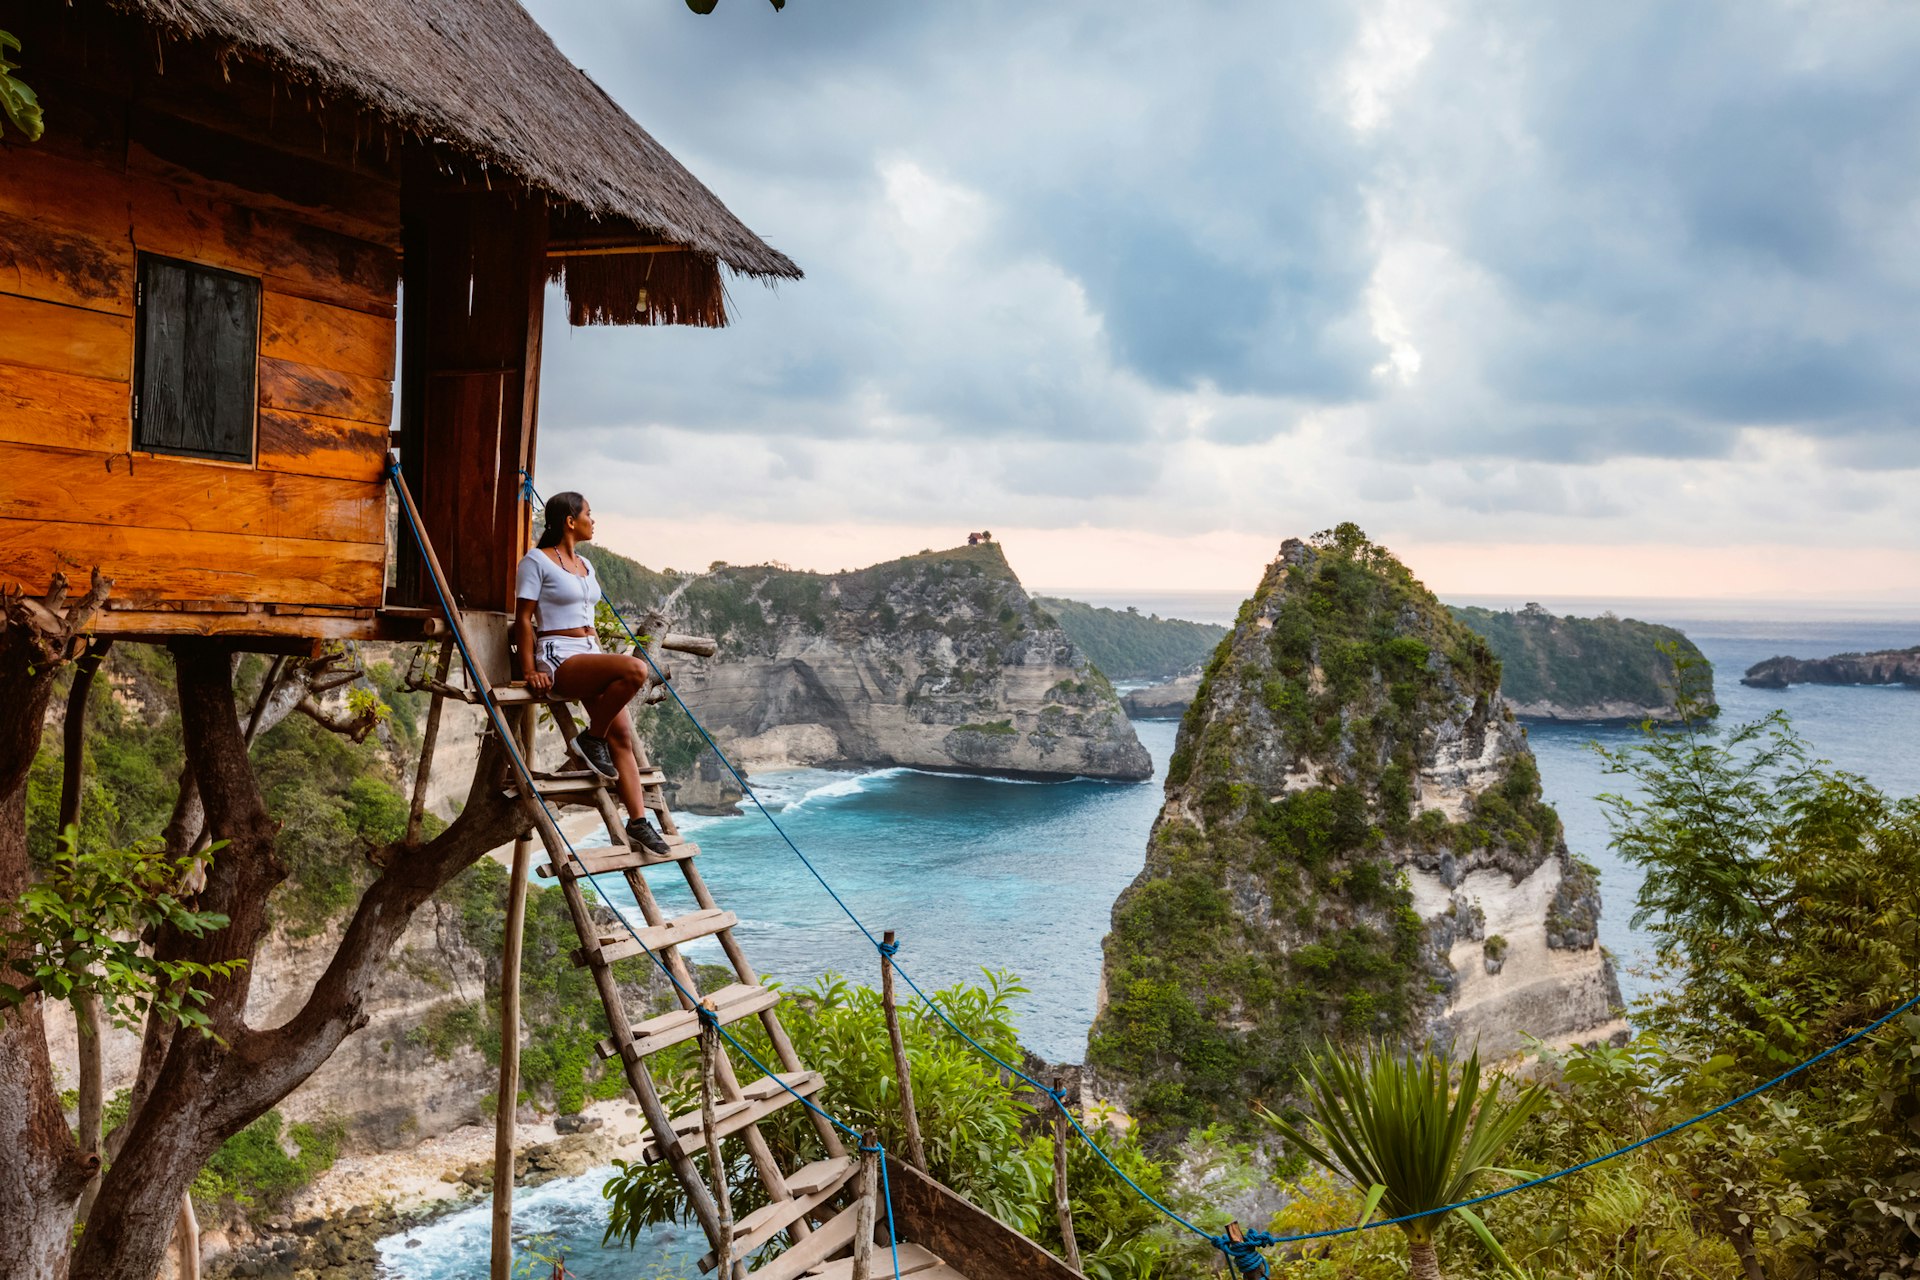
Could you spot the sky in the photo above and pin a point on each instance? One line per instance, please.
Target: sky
(1614, 299)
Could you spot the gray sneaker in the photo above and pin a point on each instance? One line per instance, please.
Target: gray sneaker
(641, 835)
(596, 752)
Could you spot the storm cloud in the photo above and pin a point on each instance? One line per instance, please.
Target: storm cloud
(1593, 273)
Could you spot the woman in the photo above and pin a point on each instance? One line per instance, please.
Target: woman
(556, 583)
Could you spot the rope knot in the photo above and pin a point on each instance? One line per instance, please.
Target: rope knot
(1245, 1254)
(888, 949)
(708, 1018)
(874, 1150)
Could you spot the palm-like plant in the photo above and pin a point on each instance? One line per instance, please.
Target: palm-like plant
(1394, 1123)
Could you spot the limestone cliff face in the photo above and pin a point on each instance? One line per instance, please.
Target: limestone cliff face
(388, 1083)
(1353, 845)
(935, 661)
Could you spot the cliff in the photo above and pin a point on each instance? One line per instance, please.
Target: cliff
(1588, 669)
(1353, 845)
(1167, 700)
(938, 661)
(1888, 666)
(1129, 645)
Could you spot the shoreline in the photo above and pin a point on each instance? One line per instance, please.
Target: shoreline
(332, 1229)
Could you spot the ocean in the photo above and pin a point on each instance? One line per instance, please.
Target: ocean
(980, 873)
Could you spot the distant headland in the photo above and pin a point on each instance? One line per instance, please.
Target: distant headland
(1887, 666)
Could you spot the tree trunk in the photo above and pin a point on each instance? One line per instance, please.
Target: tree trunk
(42, 1171)
(203, 1091)
(1422, 1261)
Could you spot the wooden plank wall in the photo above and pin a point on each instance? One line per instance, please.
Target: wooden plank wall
(218, 167)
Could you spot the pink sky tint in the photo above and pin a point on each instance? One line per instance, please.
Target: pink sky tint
(1124, 559)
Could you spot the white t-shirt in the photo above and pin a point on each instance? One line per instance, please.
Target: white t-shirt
(563, 600)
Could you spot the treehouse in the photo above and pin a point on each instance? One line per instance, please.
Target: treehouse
(252, 229)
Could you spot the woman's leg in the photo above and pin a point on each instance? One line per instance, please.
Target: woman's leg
(604, 682)
(620, 738)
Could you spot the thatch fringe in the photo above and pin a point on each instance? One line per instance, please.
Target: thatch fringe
(643, 288)
(481, 77)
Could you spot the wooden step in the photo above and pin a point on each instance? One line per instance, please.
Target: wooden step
(757, 1101)
(648, 777)
(668, 933)
(914, 1259)
(741, 1000)
(575, 789)
(812, 1187)
(827, 1239)
(598, 861)
(518, 695)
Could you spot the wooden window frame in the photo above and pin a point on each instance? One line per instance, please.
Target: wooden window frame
(250, 458)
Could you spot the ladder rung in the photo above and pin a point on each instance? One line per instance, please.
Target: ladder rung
(812, 1186)
(577, 790)
(732, 1003)
(828, 1239)
(914, 1258)
(668, 933)
(518, 695)
(757, 1101)
(597, 861)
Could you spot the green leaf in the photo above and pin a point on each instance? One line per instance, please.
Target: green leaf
(1491, 1245)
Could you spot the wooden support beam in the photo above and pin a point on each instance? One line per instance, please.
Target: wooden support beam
(508, 1101)
(1062, 1205)
(429, 740)
(710, 1128)
(863, 1208)
(903, 1072)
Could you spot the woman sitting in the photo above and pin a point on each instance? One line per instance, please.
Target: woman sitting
(557, 584)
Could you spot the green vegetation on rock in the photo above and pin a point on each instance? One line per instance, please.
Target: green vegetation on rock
(1129, 645)
(1272, 914)
(1604, 668)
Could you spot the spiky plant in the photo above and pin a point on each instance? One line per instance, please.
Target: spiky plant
(1393, 1122)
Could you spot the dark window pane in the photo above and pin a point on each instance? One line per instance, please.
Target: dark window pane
(199, 338)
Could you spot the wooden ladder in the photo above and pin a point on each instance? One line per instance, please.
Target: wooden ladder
(817, 1206)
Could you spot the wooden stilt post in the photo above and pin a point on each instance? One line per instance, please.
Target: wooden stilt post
(716, 1163)
(86, 1005)
(1062, 1205)
(916, 1153)
(863, 1209)
(508, 1102)
(186, 1242)
(428, 740)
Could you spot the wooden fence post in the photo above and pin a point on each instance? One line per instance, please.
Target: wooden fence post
(1062, 1206)
(863, 1209)
(916, 1153)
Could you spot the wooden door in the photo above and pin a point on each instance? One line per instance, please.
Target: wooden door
(472, 283)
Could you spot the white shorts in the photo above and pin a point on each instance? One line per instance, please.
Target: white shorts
(550, 651)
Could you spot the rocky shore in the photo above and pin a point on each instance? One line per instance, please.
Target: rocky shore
(332, 1229)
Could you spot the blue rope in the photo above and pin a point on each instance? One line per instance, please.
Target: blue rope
(706, 1016)
(1243, 1254)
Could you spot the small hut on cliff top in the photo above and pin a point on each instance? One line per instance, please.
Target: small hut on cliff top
(199, 348)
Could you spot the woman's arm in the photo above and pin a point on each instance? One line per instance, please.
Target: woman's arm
(533, 677)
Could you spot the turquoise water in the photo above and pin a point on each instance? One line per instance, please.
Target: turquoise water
(976, 872)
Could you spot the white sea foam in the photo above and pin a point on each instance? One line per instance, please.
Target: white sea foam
(842, 785)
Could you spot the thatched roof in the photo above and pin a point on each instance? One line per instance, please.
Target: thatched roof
(483, 78)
